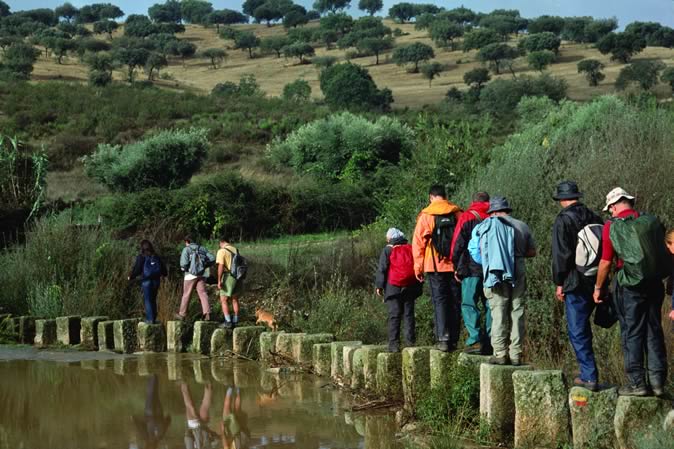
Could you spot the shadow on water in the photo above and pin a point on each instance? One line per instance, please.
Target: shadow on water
(176, 401)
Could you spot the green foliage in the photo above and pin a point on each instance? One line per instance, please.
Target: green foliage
(668, 76)
(195, 11)
(274, 44)
(550, 24)
(375, 46)
(343, 147)
(106, 27)
(500, 97)
(166, 159)
(592, 69)
(477, 78)
(295, 17)
(413, 54)
(155, 62)
(299, 50)
(540, 60)
(246, 40)
(299, 90)
(170, 11)
(331, 5)
(225, 17)
(323, 62)
(18, 60)
(431, 70)
(443, 33)
(404, 12)
(495, 54)
(541, 41)
(98, 11)
(350, 85)
(23, 177)
(622, 46)
(216, 56)
(503, 24)
(371, 6)
(644, 73)
(99, 78)
(339, 22)
(479, 38)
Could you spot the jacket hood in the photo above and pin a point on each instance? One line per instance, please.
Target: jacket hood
(441, 207)
(580, 212)
(481, 207)
(398, 241)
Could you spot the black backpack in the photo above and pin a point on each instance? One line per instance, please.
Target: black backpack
(443, 234)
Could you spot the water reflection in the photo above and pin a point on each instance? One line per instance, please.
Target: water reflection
(171, 401)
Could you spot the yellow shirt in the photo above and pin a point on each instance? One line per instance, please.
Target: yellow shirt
(224, 257)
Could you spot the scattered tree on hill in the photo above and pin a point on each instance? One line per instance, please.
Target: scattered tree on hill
(622, 46)
(297, 16)
(663, 37)
(323, 62)
(460, 15)
(597, 29)
(668, 77)
(44, 16)
(155, 62)
(249, 6)
(170, 11)
(6, 41)
(4, 9)
(216, 56)
(403, 12)
(552, 24)
(18, 60)
(132, 56)
(313, 15)
(413, 54)
(496, 54)
(332, 6)
(185, 50)
(272, 11)
(274, 44)
(478, 38)
(299, 91)
(643, 73)
(340, 23)
(443, 33)
(431, 70)
(504, 25)
(424, 21)
(99, 79)
(91, 46)
(476, 78)
(195, 11)
(60, 47)
(541, 41)
(225, 17)
(501, 96)
(350, 85)
(302, 35)
(102, 62)
(106, 27)
(247, 41)
(164, 43)
(299, 50)
(139, 26)
(67, 11)
(374, 46)
(99, 11)
(592, 69)
(329, 37)
(371, 6)
(541, 59)
(643, 29)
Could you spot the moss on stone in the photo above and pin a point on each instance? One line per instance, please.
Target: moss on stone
(177, 368)
(222, 342)
(638, 421)
(203, 331)
(246, 341)
(284, 344)
(106, 336)
(202, 370)
(89, 331)
(472, 362)
(347, 366)
(322, 358)
(45, 333)
(221, 370)
(389, 375)
(68, 330)
(592, 417)
(370, 366)
(440, 365)
(497, 399)
(25, 329)
(151, 337)
(125, 366)
(126, 335)
(337, 356)
(303, 346)
(178, 336)
(416, 374)
(268, 345)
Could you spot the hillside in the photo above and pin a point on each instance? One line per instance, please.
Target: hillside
(409, 90)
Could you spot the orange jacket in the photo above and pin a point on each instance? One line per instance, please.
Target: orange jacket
(422, 249)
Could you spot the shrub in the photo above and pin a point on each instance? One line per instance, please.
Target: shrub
(644, 73)
(350, 85)
(431, 70)
(413, 54)
(477, 78)
(540, 60)
(343, 146)
(22, 177)
(592, 69)
(500, 97)
(323, 62)
(622, 46)
(299, 90)
(166, 159)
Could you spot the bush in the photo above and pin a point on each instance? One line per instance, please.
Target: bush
(501, 96)
(592, 69)
(350, 85)
(644, 73)
(166, 159)
(343, 146)
(540, 60)
(323, 62)
(299, 90)
(23, 177)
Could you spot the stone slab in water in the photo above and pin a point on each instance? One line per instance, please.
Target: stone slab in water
(497, 399)
(178, 336)
(337, 356)
(347, 362)
(441, 364)
(541, 409)
(151, 337)
(246, 341)
(45, 333)
(389, 375)
(639, 422)
(592, 417)
(177, 367)
(284, 344)
(303, 345)
(68, 330)
(222, 342)
(221, 370)
(106, 336)
(125, 366)
(472, 362)
(25, 329)
(322, 359)
(416, 374)
(89, 331)
(268, 345)
(202, 370)
(203, 331)
(126, 335)
(370, 354)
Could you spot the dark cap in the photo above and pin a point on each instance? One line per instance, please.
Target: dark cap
(567, 190)
(499, 204)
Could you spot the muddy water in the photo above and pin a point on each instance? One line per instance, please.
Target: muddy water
(54, 401)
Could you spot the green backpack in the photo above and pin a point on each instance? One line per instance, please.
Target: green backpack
(640, 243)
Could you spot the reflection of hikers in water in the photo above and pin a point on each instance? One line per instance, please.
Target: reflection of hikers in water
(235, 432)
(153, 424)
(197, 435)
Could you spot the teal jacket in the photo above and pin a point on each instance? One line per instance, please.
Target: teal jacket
(497, 251)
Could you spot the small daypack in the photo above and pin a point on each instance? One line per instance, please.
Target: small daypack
(200, 259)
(588, 249)
(474, 247)
(151, 267)
(640, 243)
(238, 267)
(443, 232)
(401, 266)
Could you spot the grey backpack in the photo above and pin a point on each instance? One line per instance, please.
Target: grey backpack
(239, 266)
(199, 261)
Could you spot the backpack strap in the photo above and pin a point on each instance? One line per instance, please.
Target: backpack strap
(477, 215)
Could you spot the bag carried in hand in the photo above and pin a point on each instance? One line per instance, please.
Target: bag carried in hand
(238, 267)
(443, 233)
(151, 267)
(640, 243)
(588, 249)
(200, 260)
(401, 266)
(605, 313)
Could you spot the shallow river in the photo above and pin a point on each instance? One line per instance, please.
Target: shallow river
(71, 400)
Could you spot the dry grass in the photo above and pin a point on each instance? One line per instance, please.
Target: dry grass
(410, 90)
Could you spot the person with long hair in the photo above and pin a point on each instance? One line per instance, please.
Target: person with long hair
(150, 268)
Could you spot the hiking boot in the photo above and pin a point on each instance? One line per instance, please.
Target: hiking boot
(658, 390)
(592, 386)
(634, 390)
(486, 350)
(498, 361)
(475, 348)
(442, 346)
(516, 362)
(179, 317)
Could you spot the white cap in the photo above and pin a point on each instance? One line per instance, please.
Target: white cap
(394, 233)
(616, 195)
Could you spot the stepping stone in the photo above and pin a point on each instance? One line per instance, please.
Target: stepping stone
(68, 330)
(322, 359)
(151, 337)
(416, 374)
(370, 355)
(106, 336)
(268, 345)
(337, 356)
(45, 333)
(203, 331)
(202, 370)
(541, 409)
(592, 417)
(124, 366)
(441, 363)
(25, 329)
(472, 362)
(497, 399)
(178, 336)
(89, 331)
(389, 375)
(176, 367)
(284, 344)
(246, 341)
(639, 423)
(222, 343)
(347, 365)
(303, 346)
(126, 335)
(221, 370)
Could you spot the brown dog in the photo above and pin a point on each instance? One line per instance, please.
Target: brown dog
(265, 317)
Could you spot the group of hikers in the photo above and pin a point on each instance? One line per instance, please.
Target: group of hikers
(475, 259)
(197, 263)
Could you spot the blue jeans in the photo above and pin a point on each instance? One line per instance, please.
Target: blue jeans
(579, 308)
(472, 295)
(150, 289)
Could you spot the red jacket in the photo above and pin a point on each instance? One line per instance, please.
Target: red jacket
(479, 208)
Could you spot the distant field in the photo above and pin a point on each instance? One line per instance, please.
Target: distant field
(409, 90)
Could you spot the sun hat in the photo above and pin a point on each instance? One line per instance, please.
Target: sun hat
(567, 190)
(616, 195)
(499, 204)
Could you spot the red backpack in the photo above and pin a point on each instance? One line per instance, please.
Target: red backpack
(401, 266)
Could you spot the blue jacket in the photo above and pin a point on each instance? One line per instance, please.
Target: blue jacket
(497, 249)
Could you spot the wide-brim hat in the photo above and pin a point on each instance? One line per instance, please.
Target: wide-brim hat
(616, 195)
(499, 204)
(567, 190)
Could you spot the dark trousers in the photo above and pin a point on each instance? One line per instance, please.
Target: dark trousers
(400, 308)
(150, 290)
(446, 296)
(639, 313)
(579, 307)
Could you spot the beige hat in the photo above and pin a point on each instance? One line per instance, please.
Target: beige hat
(616, 195)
